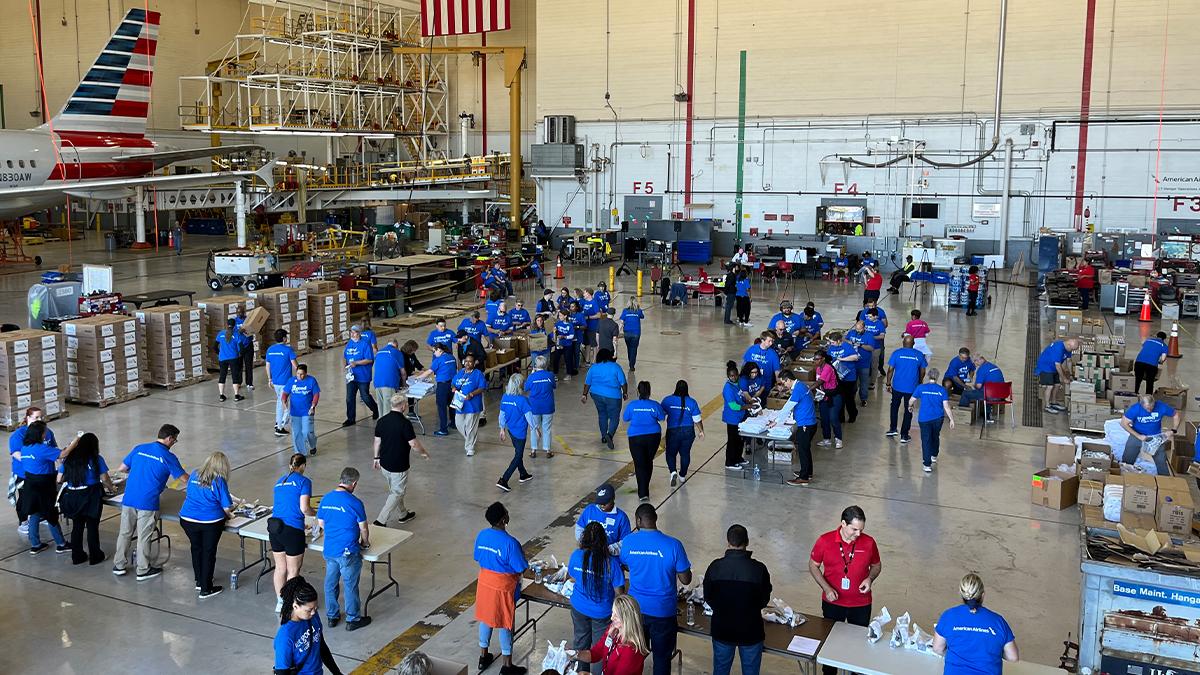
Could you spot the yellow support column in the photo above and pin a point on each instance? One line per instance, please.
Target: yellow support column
(612, 278)
(639, 283)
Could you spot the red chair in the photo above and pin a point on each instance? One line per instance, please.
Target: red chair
(702, 274)
(999, 394)
(708, 290)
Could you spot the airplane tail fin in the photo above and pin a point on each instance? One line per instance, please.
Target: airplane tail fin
(114, 96)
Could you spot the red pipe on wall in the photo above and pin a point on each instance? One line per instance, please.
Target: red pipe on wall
(1085, 109)
(691, 80)
(483, 148)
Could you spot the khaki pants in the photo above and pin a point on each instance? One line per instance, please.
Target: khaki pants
(468, 426)
(394, 506)
(384, 396)
(143, 521)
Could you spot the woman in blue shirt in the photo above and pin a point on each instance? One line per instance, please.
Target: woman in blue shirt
(802, 410)
(751, 383)
(290, 504)
(643, 417)
(539, 328)
(606, 383)
(564, 299)
(300, 647)
(228, 346)
(566, 347)
(933, 403)
(441, 369)
(742, 293)
(515, 422)
(631, 321)
(202, 516)
(579, 319)
(540, 388)
(683, 424)
(469, 386)
(733, 412)
(38, 496)
(85, 475)
(598, 580)
(974, 639)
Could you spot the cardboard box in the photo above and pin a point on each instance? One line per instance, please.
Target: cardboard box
(1175, 506)
(1121, 381)
(538, 343)
(1137, 521)
(1059, 450)
(255, 320)
(1141, 493)
(1172, 396)
(1091, 493)
(774, 403)
(1122, 402)
(1137, 280)
(321, 287)
(1054, 489)
(1093, 516)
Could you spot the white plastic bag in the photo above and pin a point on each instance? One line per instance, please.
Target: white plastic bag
(558, 659)
(919, 640)
(780, 612)
(900, 631)
(1113, 496)
(875, 628)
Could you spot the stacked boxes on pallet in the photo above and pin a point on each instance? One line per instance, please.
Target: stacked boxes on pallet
(214, 313)
(328, 314)
(174, 344)
(104, 358)
(33, 370)
(288, 309)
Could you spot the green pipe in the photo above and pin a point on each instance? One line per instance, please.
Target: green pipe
(741, 147)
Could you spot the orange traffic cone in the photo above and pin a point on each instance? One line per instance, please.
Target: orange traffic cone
(558, 269)
(1145, 315)
(1173, 343)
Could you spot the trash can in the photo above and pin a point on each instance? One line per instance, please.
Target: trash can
(110, 242)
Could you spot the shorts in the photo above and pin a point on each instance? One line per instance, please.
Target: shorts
(230, 365)
(1048, 379)
(289, 541)
(589, 337)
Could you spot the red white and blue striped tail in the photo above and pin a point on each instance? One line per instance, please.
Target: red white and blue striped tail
(114, 96)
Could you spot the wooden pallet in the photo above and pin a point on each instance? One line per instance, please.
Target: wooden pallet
(464, 305)
(182, 383)
(440, 312)
(123, 398)
(404, 321)
(13, 427)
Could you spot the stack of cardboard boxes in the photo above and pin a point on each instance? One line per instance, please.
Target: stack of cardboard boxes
(33, 368)
(1099, 364)
(1160, 503)
(174, 345)
(214, 313)
(328, 314)
(104, 359)
(287, 309)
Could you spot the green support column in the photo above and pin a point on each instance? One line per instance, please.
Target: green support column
(741, 147)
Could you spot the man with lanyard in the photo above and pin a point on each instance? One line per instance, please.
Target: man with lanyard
(959, 372)
(387, 371)
(300, 395)
(656, 562)
(845, 564)
(792, 322)
(765, 356)
(1052, 371)
(865, 343)
(358, 357)
(803, 411)
(1143, 420)
(343, 520)
(985, 371)
(501, 564)
(440, 334)
(394, 438)
(518, 316)
(603, 510)
(148, 466)
(281, 361)
(906, 369)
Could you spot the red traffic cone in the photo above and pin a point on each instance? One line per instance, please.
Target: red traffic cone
(1145, 315)
(558, 268)
(1173, 343)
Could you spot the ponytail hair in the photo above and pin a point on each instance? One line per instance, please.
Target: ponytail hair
(296, 590)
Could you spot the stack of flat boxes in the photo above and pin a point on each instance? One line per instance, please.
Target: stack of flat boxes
(289, 311)
(328, 314)
(33, 367)
(104, 358)
(174, 345)
(214, 313)
(1090, 399)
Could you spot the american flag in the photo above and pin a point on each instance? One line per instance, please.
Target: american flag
(459, 17)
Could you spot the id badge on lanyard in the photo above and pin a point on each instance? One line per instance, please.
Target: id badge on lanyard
(846, 563)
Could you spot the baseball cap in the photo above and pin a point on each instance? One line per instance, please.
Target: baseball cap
(605, 494)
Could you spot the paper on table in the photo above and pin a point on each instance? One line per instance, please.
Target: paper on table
(803, 645)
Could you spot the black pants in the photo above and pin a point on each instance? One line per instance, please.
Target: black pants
(728, 308)
(856, 616)
(643, 447)
(733, 445)
(91, 526)
(204, 538)
(802, 446)
(849, 392)
(972, 298)
(1085, 297)
(743, 309)
(227, 366)
(663, 635)
(247, 357)
(1144, 371)
(900, 399)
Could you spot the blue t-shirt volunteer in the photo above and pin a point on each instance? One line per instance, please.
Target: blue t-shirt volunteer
(1152, 350)
(500, 552)
(16, 440)
(540, 387)
(205, 503)
(907, 363)
(500, 323)
(298, 647)
(742, 288)
(443, 367)
(642, 417)
(1145, 422)
(38, 458)
(960, 369)
(1054, 354)
(681, 413)
(805, 411)
(791, 322)
(988, 372)
(585, 599)
(631, 321)
(846, 370)
(564, 333)
(605, 379)
(91, 475)
(518, 315)
(767, 360)
(616, 524)
(859, 340)
(468, 383)
(342, 513)
(815, 323)
(228, 348)
(653, 560)
(931, 396)
(279, 359)
(590, 309)
(476, 329)
(286, 499)
(359, 350)
(445, 337)
(300, 395)
(514, 408)
(150, 464)
(974, 641)
(733, 411)
(387, 367)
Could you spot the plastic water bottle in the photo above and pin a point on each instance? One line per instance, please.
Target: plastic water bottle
(691, 613)
(233, 579)
(757, 475)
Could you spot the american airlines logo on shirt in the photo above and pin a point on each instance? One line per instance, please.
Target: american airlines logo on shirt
(489, 549)
(974, 629)
(647, 553)
(903, 357)
(339, 509)
(160, 460)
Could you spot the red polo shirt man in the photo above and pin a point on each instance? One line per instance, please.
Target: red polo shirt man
(845, 564)
(1085, 282)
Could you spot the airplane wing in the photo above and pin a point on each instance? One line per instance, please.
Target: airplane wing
(167, 157)
(117, 188)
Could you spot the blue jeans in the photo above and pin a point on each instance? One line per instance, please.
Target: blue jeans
(304, 434)
(663, 634)
(679, 442)
(346, 568)
(900, 398)
(518, 460)
(544, 433)
(608, 412)
(970, 396)
(506, 638)
(831, 410)
(864, 382)
(363, 390)
(931, 439)
(444, 395)
(723, 657)
(631, 347)
(35, 537)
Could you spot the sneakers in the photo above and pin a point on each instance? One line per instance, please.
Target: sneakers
(823, 443)
(934, 459)
(348, 423)
(278, 604)
(1050, 410)
(797, 482)
(120, 571)
(610, 445)
(149, 574)
(251, 387)
(485, 661)
(312, 452)
(407, 517)
(65, 548)
(360, 622)
(892, 433)
(470, 453)
(23, 529)
(674, 478)
(838, 444)
(513, 670)
(223, 398)
(905, 439)
(239, 397)
(215, 590)
(503, 485)
(280, 432)
(1059, 406)
(927, 468)
(439, 432)
(567, 378)
(733, 467)
(376, 523)
(333, 620)
(34, 550)
(525, 479)
(533, 453)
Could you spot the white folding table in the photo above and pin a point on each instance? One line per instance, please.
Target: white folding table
(847, 649)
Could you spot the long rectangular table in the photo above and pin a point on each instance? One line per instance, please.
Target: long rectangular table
(384, 540)
(778, 636)
(847, 649)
